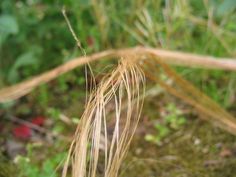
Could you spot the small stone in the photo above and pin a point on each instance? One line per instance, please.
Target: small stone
(197, 141)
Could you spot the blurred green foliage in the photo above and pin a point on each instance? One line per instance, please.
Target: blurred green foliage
(47, 168)
(36, 29)
(34, 36)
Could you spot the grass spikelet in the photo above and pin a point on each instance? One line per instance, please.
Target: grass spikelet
(124, 84)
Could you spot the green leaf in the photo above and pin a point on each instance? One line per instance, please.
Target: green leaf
(48, 168)
(171, 107)
(149, 138)
(162, 130)
(54, 113)
(170, 118)
(25, 59)
(8, 25)
(7, 105)
(58, 128)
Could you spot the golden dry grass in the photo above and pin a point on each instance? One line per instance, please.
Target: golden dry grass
(124, 83)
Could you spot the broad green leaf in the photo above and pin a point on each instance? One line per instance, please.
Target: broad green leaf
(8, 24)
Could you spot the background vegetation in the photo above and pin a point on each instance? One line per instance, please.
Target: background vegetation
(34, 38)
